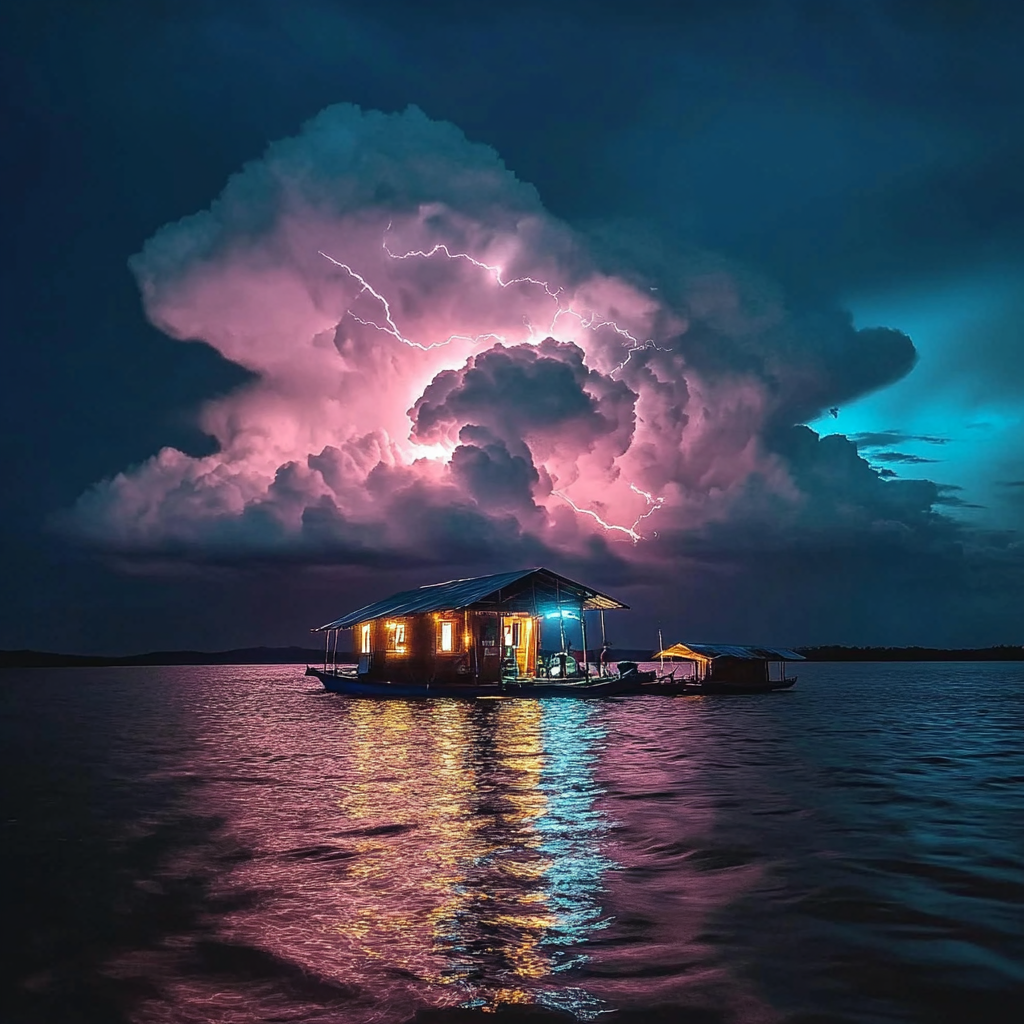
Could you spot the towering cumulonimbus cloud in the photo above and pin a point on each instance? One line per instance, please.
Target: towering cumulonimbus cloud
(441, 367)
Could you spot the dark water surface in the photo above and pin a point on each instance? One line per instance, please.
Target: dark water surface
(231, 844)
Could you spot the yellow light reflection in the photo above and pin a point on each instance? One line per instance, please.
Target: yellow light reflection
(444, 805)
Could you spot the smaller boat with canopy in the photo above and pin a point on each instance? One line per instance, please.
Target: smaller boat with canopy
(725, 668)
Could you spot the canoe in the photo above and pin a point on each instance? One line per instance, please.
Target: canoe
(350, 684)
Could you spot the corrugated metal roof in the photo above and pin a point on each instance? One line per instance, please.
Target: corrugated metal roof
(545, 586)
(708, 651)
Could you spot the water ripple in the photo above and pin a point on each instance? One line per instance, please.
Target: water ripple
(231, 844)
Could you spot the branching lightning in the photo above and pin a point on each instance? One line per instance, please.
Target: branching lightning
(491, 269)
(637, 346)
(588, 321)
(655, 504)
(630, 531)
(389, 326)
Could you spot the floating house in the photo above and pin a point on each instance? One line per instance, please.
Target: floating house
(483, 630)
(731, 664)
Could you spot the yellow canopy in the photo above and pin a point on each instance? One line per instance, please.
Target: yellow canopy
(708, 652)
(681, 651)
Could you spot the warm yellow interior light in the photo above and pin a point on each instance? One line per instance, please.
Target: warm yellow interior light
(396, 637)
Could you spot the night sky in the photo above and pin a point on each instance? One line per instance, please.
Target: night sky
(778, 248)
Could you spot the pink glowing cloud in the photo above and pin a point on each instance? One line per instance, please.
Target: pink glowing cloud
(441, 366)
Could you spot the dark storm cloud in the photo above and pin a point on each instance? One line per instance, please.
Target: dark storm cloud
(845, 490)
(548, 438)
(949, 496)
(442, 528)
(753, 363)
(887, 438)
(495, 478)
(860, 547)
(851, 536)
(891, 456)
(524, 392)
(844, 364)
(738, 321)
(833, 146)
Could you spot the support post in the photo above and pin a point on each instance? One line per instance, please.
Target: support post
(327, 641)
(476, 656)
(561, 620)
(583, 632)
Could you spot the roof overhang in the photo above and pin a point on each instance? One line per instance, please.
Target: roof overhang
(708, 652)
(535, 591)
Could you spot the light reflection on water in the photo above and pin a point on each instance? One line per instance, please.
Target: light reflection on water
(449, 853)
(231, 844)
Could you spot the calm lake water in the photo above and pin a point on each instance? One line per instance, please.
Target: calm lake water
(232, 844)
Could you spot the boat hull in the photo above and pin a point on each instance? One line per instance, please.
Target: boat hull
(684, 687)
(355, 687)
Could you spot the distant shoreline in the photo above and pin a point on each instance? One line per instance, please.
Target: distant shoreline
(1006, 652)
(314, 656)
(239, 656)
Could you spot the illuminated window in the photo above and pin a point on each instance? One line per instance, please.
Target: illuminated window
(396, 637)
(512, 633)
(447, 636)
(364, 646)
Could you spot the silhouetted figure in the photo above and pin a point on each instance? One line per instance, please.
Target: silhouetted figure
(606, 655)
(835, 412)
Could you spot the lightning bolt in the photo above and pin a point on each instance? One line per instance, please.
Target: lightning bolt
(588, 321)
(637, 346)
(389, 326)
(495, 271)
(655, 504)
(630, 531)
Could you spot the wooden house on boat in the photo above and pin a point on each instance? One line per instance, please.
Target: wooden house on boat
(483, 630)
(732, 665)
